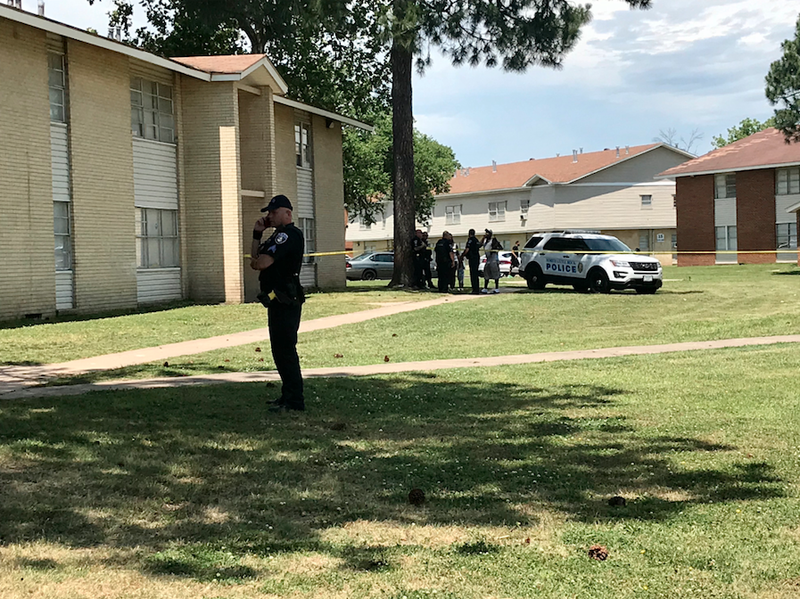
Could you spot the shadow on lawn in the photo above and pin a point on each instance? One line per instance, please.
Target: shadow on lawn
(207, 465)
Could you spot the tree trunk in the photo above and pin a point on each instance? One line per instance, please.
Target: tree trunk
(403, 169)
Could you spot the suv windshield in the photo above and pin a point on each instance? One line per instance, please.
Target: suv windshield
(606, 245)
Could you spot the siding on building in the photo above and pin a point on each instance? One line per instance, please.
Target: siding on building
(27, 284)
(155, 182)
(59, 148)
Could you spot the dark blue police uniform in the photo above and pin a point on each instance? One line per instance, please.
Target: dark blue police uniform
(283, 295)
(473, 252)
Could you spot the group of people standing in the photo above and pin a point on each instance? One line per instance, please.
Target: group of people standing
(450, 262)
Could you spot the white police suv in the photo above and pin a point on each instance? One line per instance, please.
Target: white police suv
(588, 262)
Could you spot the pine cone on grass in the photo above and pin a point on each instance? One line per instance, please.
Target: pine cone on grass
(416, 497)
(598, 552)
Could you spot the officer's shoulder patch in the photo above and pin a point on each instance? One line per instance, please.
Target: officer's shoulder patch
(281, 237)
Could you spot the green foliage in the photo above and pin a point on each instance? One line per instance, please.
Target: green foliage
(783, 87)
(368, 172)
(745, 128)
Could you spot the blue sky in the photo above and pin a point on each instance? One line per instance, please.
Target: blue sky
(684, 64)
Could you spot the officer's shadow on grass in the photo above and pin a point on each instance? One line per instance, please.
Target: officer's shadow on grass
(209, 465)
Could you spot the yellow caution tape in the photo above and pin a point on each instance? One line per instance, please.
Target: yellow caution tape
(674, 252)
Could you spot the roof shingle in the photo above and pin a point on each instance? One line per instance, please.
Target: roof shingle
(561, 169)
(229, 65)
(762, 149)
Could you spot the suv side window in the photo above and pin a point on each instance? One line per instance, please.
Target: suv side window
(532, 243)
(556, 244)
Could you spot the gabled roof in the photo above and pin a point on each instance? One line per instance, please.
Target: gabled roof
(561, 169)
(236, 67)
(765, 149)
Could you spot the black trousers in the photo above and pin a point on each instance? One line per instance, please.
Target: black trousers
(473, 275)
(419, 279)
(284, 321)
(445, 275)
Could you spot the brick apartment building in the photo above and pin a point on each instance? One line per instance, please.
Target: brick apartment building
(144, 175)
(739, 204)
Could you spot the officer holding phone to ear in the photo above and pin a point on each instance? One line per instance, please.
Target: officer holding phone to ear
(279, 260)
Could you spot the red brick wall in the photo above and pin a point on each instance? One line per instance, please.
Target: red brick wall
(695, 214)
(755, 215)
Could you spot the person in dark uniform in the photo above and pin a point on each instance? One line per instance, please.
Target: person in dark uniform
(426, 263)
(445, 261)
(279, 259)
(472, 251)
(418, 249)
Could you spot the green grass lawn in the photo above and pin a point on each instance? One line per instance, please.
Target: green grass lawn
(695, 304)
(198, 493)
(65, 339)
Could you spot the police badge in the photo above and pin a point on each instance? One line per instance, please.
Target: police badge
(281, 237)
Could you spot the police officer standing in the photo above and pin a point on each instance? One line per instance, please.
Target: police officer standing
(445, 261)
(279, 259)
(418, 249)
(472, 252)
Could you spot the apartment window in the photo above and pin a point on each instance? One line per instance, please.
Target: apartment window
(363, 225)
(724, 186)
(57, 82)
(788, 181)
(523, 207)
(647, 201)
(497, 211)
(787, 236)
(644, 242)
(726, 238)
(157, 238)
(302, 144)
(309, 234)
(152, 110)
(452, 215)
(674, 241)
(62, 231)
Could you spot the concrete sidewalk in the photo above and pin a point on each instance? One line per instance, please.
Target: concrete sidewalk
(389, 368)
(13, 378)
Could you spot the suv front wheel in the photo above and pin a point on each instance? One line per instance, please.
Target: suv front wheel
(535, 277)
(598, 281)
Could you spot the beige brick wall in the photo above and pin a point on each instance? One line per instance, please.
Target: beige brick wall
(213, 217)
(257, 134)
(104, 222)
(285, 165)
(329, 202)
(27, 271)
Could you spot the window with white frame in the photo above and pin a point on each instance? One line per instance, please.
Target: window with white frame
(62, 230)
(786, 234)
(152, 111)
(364, 224)
(647, 201)
(452, 215)
(497, 211)
(157, 238)
(726, 238)
(302, 144)
(57, 83)
(309, 235)
(787, 181)
(724, 186)
(524, 205)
